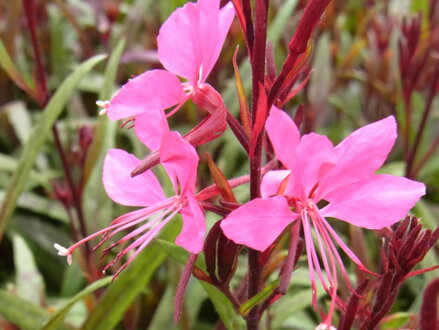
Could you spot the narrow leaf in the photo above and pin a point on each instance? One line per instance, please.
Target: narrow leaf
(243, 104)
(38, 136)
(128, 285)
(21, 312)
(224, 307)
(280, 21)
(174, 251)
(58, 317)
(220, 180)
(231, 319)
(261, 117)
(104, 124)
(30, 285)
(240, 13)
(246, 307)
(13, 73)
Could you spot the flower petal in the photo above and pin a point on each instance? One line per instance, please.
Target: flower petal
(271, 182)
(153, 90)
(214, 25)
(360, 154)
(180, 161)
(259, 222)
(150, 127)
(191, 236)
(177, 42)
(284, 136)
(376, 202)
(315, 157)
(192, 37)
(142, 190)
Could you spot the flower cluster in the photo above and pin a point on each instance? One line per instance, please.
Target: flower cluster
(343, 177)
(189, 44)
(311, 182)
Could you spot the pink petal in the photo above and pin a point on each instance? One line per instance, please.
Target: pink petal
(150, 127)
(177, 42)
(191, 236)
(360, 154)
(258, 223)
(192, 37)
(376, 202)
(284, 136)
(271, 182)
(180, 161)
(151, 91)
(214, 25)
(142, 190)
(315, 157)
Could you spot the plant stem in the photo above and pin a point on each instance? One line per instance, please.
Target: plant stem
(42, 91)
(258, 76)
(420, 131)
(43, 99)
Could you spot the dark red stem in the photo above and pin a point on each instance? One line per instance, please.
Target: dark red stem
(428, 317)
(298, 44)
(43, 92)
(247, 9)
(423, 123)
(258, 76)
(30, 13)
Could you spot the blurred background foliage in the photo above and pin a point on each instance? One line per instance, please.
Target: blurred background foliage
(366, 62)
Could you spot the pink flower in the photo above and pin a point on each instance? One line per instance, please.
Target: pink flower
(343, 177)
(189, 44)
(180, 162)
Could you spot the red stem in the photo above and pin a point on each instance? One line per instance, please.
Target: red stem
(258, 77)
(428, 317)
(423, 123)
(43, 92)
(298, 44)
(247, 9)
(433, 147)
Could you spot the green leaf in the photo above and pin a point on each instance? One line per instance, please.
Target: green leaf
(130, 283)
(9, 164)
(13, 73)
(38, 136)
(21, 312)
(396, 321)
(231, 319)
(40, 205)
(246, 307)
(19, 118)
(288, 306)
(96, 202)
(104, 126)
(282, 18)
(224, 307)
(58, 317)
(174, 251)
(30, 285)
(320, 81)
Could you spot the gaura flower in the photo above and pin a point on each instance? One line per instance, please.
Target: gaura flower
(189, 44)
(316, 172)
(180, 162)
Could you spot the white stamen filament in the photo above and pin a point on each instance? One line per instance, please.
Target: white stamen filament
(102, 104)
(62, 251)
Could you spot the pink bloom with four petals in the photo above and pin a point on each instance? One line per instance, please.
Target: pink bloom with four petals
(189, 44)
(343, 177)
(180, 162)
